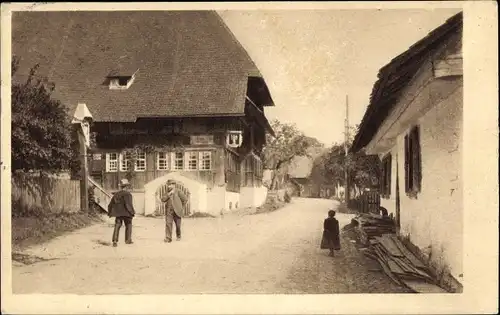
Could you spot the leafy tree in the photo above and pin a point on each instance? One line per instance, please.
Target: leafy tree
(329, 168)
(41, 130)
(289, 142)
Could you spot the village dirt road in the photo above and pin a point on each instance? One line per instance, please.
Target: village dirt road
(276, 252)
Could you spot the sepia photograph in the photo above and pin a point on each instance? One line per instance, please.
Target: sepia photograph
(237, 150)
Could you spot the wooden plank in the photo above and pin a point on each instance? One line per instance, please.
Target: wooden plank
(422, 286)
(389, 246)
(421, 273)
(403, 265)
(370, 255)
(394, 267)
(381, 254)
(414, 260)
(388, 272)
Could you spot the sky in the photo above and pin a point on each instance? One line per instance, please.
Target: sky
(312, 59)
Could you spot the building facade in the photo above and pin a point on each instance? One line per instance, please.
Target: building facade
(414, 124)
(172, 95)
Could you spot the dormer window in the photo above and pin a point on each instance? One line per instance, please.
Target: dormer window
(120, 81)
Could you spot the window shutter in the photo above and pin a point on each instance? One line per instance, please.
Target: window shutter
(107, 162)
(417, 166)
(158, 154)
(186, 160)
(389, 174)
(382, 178)
(172, 161)
(407, 162)
(168, 157)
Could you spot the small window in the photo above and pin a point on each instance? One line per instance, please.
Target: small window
(413, 165)
(122, 81)
(206, 160)
(162, 161)
(124, 161)
(178, 160)
(192, 160)
(385, 180)
(140, 162)
(111, 162)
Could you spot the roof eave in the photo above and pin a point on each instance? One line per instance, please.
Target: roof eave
(372, 120)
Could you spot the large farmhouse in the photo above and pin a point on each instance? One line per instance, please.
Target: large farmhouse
(172, 95)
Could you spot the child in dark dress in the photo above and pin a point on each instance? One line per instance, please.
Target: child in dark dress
(331, 239)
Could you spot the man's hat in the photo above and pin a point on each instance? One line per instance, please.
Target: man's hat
(124, 182)
(170, 182)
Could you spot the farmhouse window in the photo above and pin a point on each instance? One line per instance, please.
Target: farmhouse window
(111, 162)
(178, 161)
(162, 161)
(413, 164)
(140, 162)
(386, 176)
(205, 160)
(124, 161)
(192, 160)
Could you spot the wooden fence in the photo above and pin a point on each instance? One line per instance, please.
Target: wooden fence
(49, 194)
(367, 202)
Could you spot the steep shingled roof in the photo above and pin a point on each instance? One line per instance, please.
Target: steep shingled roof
(187, 63)
(394, 77)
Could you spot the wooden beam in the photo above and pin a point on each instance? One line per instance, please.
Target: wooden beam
(450, 66)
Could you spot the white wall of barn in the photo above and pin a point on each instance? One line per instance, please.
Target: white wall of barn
(434, 220)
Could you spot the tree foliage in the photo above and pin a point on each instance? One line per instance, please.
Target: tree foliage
(329, 168)
(41, 130)
(289, 143)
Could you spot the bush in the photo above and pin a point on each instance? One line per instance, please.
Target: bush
(33, 226)
(21, 209)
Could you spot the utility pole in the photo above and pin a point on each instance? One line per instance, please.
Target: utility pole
(346, 147)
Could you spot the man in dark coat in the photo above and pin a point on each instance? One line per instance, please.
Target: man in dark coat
(331, 238)
(175, 201)
(122, 208)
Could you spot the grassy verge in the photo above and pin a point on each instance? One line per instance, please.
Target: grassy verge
(34, 226)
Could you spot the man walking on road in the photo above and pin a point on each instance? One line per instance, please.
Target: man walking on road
(175, 202)
(122, 208)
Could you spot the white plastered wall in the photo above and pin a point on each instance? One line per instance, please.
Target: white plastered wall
(434, 220)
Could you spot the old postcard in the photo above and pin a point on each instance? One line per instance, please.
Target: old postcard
(244, 158)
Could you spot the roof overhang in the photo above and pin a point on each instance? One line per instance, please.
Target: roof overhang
(259, 92)
(408, 113)
(254, 111)
(395, 77)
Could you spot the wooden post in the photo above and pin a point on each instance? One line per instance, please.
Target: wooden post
(347, 190)
(82, 119)
(252, 146)
(84, 183)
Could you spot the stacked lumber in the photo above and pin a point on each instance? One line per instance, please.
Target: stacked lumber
(377, 234)
(372, 225)
(400, 265)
